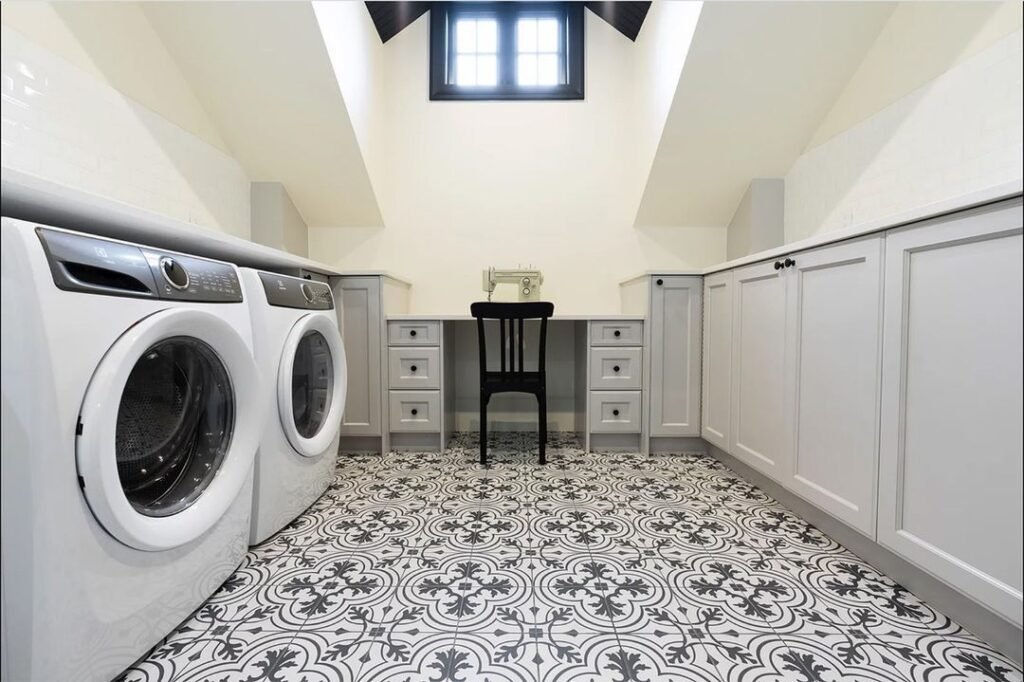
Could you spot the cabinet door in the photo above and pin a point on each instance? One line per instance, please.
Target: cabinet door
(675, 356)
(361, 333)
(716, 387)
(760, 435)
(835, 328)
(950, 461)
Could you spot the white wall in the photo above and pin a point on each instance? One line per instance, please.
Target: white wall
(464, 185)
(67, 121)
(758, 222)
(275, 220)
(956, 133)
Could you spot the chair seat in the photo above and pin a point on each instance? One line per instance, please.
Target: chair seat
(513, 382)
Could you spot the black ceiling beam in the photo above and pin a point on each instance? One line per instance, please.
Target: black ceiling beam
(391, 17)
(626, 17)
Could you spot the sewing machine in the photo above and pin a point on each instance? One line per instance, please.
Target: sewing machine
(527, 281)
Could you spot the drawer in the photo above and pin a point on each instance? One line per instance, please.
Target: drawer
(616, 368)
(415, 411)
(414, 367)
(615, 411)
(414, 333)
(612, 333)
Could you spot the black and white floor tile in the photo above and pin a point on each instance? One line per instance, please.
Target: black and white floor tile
(426, 567)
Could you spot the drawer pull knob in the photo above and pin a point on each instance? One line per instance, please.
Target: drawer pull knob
(660, 282)
(789, 262)
(413, 368)
(779, 265)
(412, 332)
(615, 368)
(615, 413)
(414, 411)
(618, 333)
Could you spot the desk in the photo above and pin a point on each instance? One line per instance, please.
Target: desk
(626, 381)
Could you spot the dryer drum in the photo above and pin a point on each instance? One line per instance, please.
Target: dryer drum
(312, 384)
(174, 425)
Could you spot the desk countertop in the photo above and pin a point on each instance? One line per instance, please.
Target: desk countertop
(556, 318)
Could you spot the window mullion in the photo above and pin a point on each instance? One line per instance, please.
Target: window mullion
(506, 46)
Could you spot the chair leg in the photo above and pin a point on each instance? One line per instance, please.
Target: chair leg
(542, 419)
(483, 429)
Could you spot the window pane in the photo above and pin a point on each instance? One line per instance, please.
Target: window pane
(547, 35)
(526, 69)
(547, 69)
(526, 35)
(487, 35)
(487, 70)
(465, 35)
(465, 70)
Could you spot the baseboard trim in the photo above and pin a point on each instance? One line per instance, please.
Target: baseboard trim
(988, 626)
(667, 445)
(359, 445)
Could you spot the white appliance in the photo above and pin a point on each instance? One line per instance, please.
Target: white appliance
(130, 423)
(301, 364)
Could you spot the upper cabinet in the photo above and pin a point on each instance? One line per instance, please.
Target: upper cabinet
(950, 478)
(675, 322)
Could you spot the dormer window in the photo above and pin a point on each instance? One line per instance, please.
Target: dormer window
(506, 50)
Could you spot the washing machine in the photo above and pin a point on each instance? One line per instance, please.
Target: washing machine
(130, 423)
(301, 363)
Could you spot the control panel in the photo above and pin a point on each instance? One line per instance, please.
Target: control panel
(292, 292)
(184, 278)
(102, 266)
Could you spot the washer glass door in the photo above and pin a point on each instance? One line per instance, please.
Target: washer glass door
(174, 425)
(311, 384)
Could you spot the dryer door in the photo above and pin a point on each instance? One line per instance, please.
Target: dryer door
(169, 428)
(311, 384)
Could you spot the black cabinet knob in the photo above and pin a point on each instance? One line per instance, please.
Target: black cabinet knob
(414, 411)
(412, 332)
(615, 413)
(779, 265)
(618, 333)
(413, 368)
(660, 282)
(789, 263)
(615, 368)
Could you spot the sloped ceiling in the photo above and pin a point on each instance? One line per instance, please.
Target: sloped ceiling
(263, 74)
(758, 79)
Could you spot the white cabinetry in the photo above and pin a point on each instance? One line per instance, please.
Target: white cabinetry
(675, 319)
(759, 433)
(833, 335)
(716, 387)
(950, 461)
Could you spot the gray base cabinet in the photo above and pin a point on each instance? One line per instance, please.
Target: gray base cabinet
(951, 445)
(361, 324)
(675, 340)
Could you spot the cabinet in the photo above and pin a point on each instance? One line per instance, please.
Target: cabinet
(361, 324)
(833, 334)
(716, 354)
(759, 434)
(675, 322)
(950, 446)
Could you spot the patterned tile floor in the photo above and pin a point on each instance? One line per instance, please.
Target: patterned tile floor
(429, 568)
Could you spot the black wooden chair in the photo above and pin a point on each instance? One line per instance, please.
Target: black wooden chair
(512, 377)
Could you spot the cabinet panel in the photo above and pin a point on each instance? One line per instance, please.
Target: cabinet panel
(615, 411)
(361, 334)
(834, 335)
(617, 333)
(717, 359)
(760, 436)
(616, 368)
(415, 411)
(414, 332)
(951, 447)
(410, 367)
(675, 356)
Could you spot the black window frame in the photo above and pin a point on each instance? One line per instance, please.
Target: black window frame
(443, 16)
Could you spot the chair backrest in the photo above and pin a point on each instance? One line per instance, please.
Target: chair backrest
(510, 317)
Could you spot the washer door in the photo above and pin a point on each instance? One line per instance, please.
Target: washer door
(311, 384)
(169, 429)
